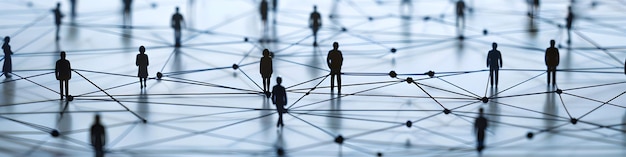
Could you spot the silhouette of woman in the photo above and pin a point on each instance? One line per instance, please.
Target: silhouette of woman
(7, 68)
(266, 70)
(142, 62)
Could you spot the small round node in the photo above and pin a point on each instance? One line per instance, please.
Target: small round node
(70, 98)
(331, 16)
(343, 29)
(426, 18)
(409, 123)
(574, 121)
(559, 91)
(245, 39)
(393, 74)
(409, 80)
(379, 154)
(446, 111)
(461, 37)
(530, 135)
(339, 139)
(370, 18)
(159, 75)
(267, 94)
(484, 99)
(431, 74)
(280, 151)
(307, 93)
(55, 133)
(485, 32)
(144, 121)
(393, 50)
(235, 66)
(154, 5)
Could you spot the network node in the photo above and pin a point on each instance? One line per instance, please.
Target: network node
(55, 133)
(267, 94)
(70, 98)
(559, 91)
(393, 74)
(409, 80)
(530, 135)
(485, 32)
(159, 75)
(409, 123)
(484, 99)
(393, 50)
(431, 74)
(426, 18)
(245, 39)
(144, 121)
(235, 66)
(344, 29)
(280, 151)
(379, 154)
(446, 111)
(370, 18)
(461, 37)
(573, 121)
(307, 93)
(339, 139)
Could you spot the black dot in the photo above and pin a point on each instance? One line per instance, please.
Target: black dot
(409, 80)
(339, 139)
(393, 74)
(484, 99)
(530, 135)
(409, 123)
(559, 91)
(159, 75)
(446, 111)
(393, 50)
(574, 121)
(55, 133)
(235, 66)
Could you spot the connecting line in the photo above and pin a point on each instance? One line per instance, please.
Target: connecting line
(393, 83)
(33, 41)
(415, 83)
(244, 73)
(325, 131)
(168, 59)
(44, 15)
(568, 114)
(487, 86)
(601, 105)
(34, 126)
(520, 83)
(598, 46)
(36, 82)
(307, 93)
(248, 54)
(127, 109)
(458, 87)
(307, 81)
(13, 80)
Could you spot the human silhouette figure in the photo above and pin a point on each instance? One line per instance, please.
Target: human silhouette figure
(494, 62)
(63, 73)
(98, 136)
(406, 8)
(569, 20)
(177, 23)
(57, 18)
(274, 5)
(533, 7)
(73, 8)
(335, 61)
(279, 98)
(8, 65)
(552, 60)
(266, 69)
(142, 62)
(127, 12)
(480, 125)
(460, 16)
(263, 10)
(315, 22)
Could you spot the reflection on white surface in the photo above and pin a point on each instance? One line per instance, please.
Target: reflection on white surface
(204, 107)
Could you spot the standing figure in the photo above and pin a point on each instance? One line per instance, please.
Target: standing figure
(7, 67)
(127, 16)
(533, 7)
(569, 20)
(73, 8)
(460, 17)
(98, 136)
(335, 61)
(142, 62)
(266, 70)
(57, 18)
(274, 5)
(552, 60)
(406, 9)
(494, 62)
(480, 125)
(315, 22)
(263, 10)
(177, 23)
(63, 73)
(279, 98)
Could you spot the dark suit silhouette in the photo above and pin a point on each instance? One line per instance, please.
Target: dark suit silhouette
(494, 62)
(57, 18)
(335, 61)
(177, 23)
(570, 20)
(98, 137)
(552, 60)
(63, 73)
(315, 22)
(8, 65)
(263, 8)
(142, 62)
(480, 125)
(279, 98)
(266, 69)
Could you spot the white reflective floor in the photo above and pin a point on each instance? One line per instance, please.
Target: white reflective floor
(204, 107)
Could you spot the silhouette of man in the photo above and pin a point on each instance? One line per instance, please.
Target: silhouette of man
(279, 98)
(460, 15)
(552, 60)
(57, 18)
(569, 20)
(63, 73)
(142, 62)
(274, 5)
(8, 65)
(266, 69)
(480, 125)
(177, 23)
(335, 61)
(98, 136)
(494, 62)
(126, 14)
(73, 8)
(315, 22)
(533, 7)
(263, 10)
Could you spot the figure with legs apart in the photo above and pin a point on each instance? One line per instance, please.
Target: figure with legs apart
(63, 73)
(279, 98)
(7, 67)
(494, 62)
(552, 60)
(335, 61)
(98, 137)
(142, 62)
(266, 70)
(315, 22)
(480, 125)
(177, 23)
